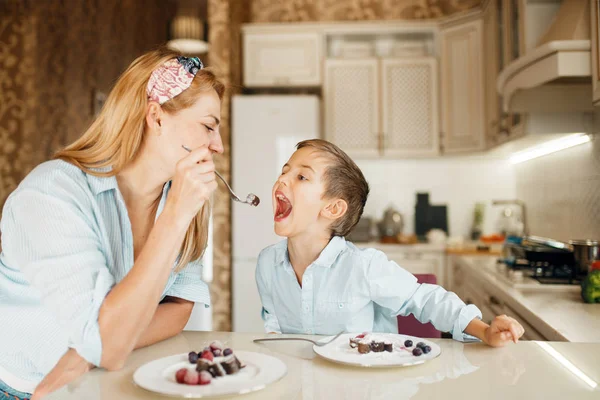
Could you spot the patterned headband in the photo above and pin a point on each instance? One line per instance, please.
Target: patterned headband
(172, 78)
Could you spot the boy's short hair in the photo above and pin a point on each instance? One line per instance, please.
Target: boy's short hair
(343, 180)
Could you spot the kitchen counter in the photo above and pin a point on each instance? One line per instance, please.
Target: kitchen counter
(463, 371)
(556, 311)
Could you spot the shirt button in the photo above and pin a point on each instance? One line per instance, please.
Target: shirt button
(341, 305)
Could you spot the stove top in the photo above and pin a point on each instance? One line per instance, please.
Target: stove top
(541, 278)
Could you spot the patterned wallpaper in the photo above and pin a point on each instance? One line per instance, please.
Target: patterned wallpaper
(224, 18)
(53, 56)
(354, 10)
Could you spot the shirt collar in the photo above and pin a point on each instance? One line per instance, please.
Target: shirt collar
(100, 184)
(327, 257)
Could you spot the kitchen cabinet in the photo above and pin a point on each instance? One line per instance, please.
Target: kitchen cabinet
(282, 59)
(462, 77)
(479, 293)
(366, 109)
(418, 262)
(595, 36)
(351, 97)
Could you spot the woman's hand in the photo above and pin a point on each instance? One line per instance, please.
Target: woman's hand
(70, 367)
(502, 330)
(193, 184)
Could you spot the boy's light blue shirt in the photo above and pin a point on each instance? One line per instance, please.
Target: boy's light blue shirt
(66, 241)
(351, 289)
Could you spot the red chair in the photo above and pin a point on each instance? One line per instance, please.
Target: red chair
(410, 326)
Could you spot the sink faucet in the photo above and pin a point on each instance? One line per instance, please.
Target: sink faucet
(520, 204)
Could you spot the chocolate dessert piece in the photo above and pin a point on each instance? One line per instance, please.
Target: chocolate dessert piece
(364, 348)
(377, 347)
(202, 365)
(388, 346)
(230, 365)
(239, 363)
(216, 370)
(354, 342)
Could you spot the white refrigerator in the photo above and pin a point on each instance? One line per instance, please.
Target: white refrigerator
(264, 132)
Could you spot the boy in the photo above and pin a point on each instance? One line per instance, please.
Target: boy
(315, 282)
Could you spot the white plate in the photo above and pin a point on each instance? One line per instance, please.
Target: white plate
(159, 376)
(340, 351)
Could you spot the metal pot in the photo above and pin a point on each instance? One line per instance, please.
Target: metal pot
(586, 252)
(392, 223)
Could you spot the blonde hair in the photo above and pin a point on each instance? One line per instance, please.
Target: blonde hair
(343, 180)
(115, 137)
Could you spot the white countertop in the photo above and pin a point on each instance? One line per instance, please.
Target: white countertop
(558, 312)
(462, 371)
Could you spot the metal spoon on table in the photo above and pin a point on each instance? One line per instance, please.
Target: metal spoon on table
(251, 199)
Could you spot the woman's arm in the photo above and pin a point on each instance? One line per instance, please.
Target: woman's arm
(170, 318)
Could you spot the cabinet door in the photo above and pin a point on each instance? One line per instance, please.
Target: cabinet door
(410, 113)
(351, 95)
(283, 59)
(491, 70)
(462, 88)
(595, 36)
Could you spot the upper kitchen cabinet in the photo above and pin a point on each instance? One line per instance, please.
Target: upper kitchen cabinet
(351, 95)
(382, 107)
(595, 36)
(380, 92)
(409, 128)
(463, 118)
(281, 59)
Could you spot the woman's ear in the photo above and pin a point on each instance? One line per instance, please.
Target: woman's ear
(335, 209)
(153, 114)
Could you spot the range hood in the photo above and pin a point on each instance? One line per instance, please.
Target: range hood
(555, 76)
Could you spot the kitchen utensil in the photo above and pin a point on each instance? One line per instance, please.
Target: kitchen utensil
(318, 344)
(251, 198)
(392, 223)
(586, 252)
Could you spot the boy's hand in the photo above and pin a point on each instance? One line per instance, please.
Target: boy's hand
(502, 330)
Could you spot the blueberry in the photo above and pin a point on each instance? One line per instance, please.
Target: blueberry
(408, 343)
(227, 352)
(417, 352)
(421, 345)
(426, 349)
(193, 357)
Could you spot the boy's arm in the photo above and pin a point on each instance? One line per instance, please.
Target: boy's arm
(264, 291)
(398, 290)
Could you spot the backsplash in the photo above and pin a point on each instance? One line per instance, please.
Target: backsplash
(458, 182)
(562, 192)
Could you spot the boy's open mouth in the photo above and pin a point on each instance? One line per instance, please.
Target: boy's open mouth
(284, 207)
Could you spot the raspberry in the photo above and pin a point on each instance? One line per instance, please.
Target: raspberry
(205, 378)
(207, 355)
(180, 375)
(191, 378)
